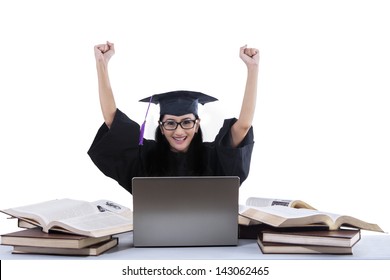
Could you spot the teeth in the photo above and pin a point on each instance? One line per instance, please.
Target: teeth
(179, 138)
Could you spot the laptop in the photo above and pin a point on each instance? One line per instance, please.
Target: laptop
(185, 211)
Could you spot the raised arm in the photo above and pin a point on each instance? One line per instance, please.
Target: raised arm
(103, 53)
(239, 130)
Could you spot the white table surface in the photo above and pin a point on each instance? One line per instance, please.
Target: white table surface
(370, 247)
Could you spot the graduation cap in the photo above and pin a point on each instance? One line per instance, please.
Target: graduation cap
(179, 102)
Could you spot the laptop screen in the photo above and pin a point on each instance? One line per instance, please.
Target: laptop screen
(185, 211)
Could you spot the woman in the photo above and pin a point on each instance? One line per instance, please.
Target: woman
(121, 153)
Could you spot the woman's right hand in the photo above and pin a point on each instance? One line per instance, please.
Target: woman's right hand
(104, 52)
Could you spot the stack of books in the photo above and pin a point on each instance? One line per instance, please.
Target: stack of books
(67, 227)
(302, 241)
(35, 241)
(295, 227)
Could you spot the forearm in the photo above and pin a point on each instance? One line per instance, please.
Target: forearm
(106, 97)
(249, 100)
(244, 122)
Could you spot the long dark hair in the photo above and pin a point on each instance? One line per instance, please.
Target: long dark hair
(159, 159)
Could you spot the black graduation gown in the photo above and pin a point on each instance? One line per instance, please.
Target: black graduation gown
(116, 153)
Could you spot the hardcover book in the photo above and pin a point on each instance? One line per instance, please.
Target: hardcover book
(338, 238)
(281, 248)
(93, 250)
(36, 237)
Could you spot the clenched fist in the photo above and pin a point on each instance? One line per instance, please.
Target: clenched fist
(104, 52)
(250, 56)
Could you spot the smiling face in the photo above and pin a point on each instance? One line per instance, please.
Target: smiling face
(180, 138)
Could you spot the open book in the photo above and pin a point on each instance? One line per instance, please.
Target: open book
(263, 202)
(95, 219)
(281, 216)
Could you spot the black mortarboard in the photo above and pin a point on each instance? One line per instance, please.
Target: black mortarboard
(179, 102)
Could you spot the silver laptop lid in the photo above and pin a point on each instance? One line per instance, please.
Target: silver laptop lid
(185, 211)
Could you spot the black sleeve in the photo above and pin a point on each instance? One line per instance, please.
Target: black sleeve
(115, 150)
(234, 161)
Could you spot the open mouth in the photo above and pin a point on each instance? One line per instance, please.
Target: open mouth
(179, 140)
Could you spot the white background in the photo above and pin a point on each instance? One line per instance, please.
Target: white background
(322, 118)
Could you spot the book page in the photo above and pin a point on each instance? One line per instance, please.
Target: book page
(286, 216)
(55, 209)
(99, 224)
(290, 213)
(263, 202)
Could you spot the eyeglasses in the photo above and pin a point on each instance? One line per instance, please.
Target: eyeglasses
(172, 125)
